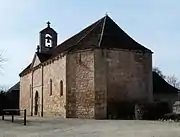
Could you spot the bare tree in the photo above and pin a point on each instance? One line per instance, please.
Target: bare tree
(2, 61)
(3, 88)
(158, 71)
(173, 80)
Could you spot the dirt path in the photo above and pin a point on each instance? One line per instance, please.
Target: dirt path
(54, 127)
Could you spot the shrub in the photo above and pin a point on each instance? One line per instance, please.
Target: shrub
(151, 111)
(120, 110)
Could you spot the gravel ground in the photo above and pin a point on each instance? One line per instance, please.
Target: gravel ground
(56, 127)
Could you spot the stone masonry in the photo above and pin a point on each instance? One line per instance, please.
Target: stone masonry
(80, 85)
(91, 79)
(39, 80)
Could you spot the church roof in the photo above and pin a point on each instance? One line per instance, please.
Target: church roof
(160, 86)
(14, 87)
(43, 56)
(104, 33)
(27, 68)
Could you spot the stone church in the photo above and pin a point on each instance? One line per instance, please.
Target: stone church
(80, 77)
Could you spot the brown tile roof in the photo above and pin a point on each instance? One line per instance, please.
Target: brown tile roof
(43, 56)
(104, 33)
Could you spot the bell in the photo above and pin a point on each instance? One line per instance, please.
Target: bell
(48, 40)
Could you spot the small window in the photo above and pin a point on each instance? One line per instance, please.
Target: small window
(50, 84)
(61, 88)
(78, 58)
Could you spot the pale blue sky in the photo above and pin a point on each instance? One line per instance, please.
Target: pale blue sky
(155, 24)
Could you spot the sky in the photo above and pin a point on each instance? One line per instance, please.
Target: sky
(154, 24)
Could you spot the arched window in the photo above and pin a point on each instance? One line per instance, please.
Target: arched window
(36, 99)
(50, 87)
(61, 88)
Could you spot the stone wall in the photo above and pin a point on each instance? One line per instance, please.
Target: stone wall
(25, 95)
(176, 107)
(91, 80)
(121, 76)
(100, 67)
(37, 87)
(49, 105)
(80, 85)
(129, 76)
(54, 105)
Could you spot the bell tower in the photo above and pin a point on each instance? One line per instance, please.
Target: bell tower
(48, 39)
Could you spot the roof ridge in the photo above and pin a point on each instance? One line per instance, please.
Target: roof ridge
(102, 32)
(86, 33)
